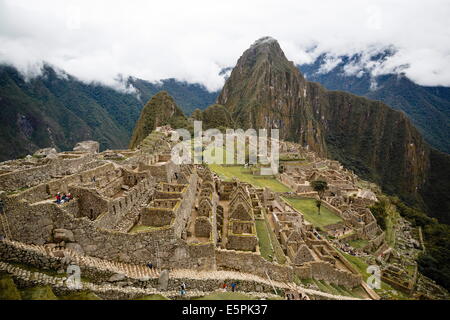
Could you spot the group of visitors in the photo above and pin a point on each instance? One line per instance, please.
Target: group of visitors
(63, 198)
(233, 286)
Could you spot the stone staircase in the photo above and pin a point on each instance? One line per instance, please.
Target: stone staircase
(5, 225)
(42, 279)
(38, 278)
(132, 271)
(142, 272)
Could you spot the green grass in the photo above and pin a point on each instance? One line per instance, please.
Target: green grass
(391, 220)
(309, 210)
(265, 244)
(8, 289)
(245, 175)
(321, 286)
(359, 264)
(153, 297)
(85, 295)
(39, 293)
(226, 296)
(279, 253)
(358, 244)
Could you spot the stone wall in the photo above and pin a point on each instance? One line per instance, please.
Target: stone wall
(251, 262)
(40, 260)
(35, 224)
(326, 271)
(157, 217)
(33, 176)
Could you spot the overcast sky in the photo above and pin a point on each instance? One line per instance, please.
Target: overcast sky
(194, 40)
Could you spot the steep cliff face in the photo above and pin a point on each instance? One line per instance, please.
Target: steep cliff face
(160, 110)
(265, 90)
(372, 139)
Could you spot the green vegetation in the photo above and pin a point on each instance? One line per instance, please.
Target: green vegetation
(74, 110)
(245, 175)
(308, 208)
(428, 107)
(435, 261)
(85, 295)
(39, 293)
(153, 297)
(279, 253)
(217, 117)
(160, 110)
(320, 187)
(268, 242)
(359, 264)
(386, 215)
(357, 292)
(8, 289)
(226, 296)
(265, 244)
(359, 244)
(188, 96)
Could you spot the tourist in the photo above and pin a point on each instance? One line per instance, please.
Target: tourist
(183, 289)
(58, 198)
(150, 265)
(233, 286)
(224, 286)
(69, 197)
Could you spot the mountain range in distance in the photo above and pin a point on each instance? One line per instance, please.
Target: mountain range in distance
(427, 107)
(367, 136)
(57, 110)
(23, 112)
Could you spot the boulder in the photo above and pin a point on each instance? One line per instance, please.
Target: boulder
(63, 235)
(75, 247)
(52, 156)
(163, 281)
(87, 146)
(117, 277)
(45, 152)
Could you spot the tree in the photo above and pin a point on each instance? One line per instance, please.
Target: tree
(320, 187)
(197, 115)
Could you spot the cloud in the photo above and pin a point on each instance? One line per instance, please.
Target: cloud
(97, 40)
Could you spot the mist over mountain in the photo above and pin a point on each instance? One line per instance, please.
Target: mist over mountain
(427, 107)
(56, 109)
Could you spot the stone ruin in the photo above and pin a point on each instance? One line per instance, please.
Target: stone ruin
(137, 206)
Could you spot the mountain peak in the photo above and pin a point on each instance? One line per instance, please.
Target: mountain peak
(265, 45)
(264, 41)
(160, 110)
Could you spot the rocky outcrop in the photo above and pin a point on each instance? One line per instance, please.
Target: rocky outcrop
(45, 152)
(159, 111)
(87, 146)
